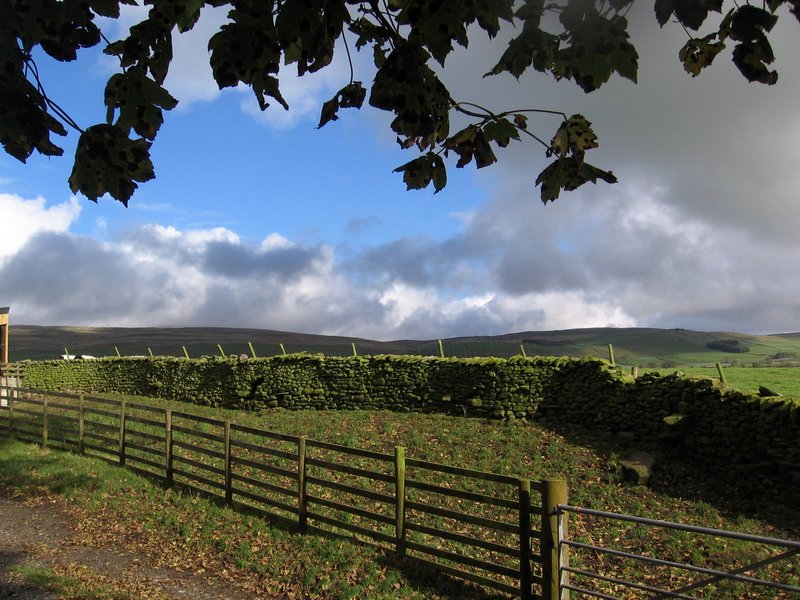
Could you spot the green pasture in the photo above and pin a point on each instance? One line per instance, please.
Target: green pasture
(783, 380)
(273, 556)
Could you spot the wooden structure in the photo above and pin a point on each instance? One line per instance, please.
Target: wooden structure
(4, 334)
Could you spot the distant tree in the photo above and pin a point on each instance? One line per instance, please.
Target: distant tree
(583, 40)
(728, 345)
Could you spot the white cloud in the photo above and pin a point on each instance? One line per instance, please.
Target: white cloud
(23, 218)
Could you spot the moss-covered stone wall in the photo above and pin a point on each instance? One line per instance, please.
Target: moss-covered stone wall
(492, 387)
(754, 440)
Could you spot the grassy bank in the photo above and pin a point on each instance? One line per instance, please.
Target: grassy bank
(271, 558)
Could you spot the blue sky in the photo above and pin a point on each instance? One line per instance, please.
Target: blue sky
(261, 220)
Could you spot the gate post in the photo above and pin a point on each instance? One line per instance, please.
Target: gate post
(554, 527)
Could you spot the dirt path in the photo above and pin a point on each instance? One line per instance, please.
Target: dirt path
(39, 533)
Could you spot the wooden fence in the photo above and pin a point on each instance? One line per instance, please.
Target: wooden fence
(472, 525)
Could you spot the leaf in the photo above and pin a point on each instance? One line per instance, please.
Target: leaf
(420, 172)
(307, 31)
(691, 13)
(752, 59)
(60, 28)
(575, 136)
(350, 96)
(108, 8)
(698, 53)
(187, 13)
(500, 131)
(436, 25)
(246, 50)
(108, 162)
(149, 45)
(139, 100)
(569, 174)
(748, 25)
(406, 86)
(329, 110)
(599, 48)
(25, 124)
(532, 48)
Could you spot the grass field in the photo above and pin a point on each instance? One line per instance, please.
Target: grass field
(783, 380)
(642, 347)
(271, 558)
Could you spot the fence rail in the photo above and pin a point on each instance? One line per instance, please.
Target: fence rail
(404, 505)
(771, 563)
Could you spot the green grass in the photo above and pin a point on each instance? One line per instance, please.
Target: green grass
(783, 380)
(278, 557)
(68, 586)
(643, 347)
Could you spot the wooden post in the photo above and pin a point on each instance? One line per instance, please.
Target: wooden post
(122, 407)
(221, 351)
(228, 473)
(400, 500)
(302, 507)
(150, 352)
(441, 349)
(185, 352)
(522, 350)
(252, 350)
(117, 351)
(525, 573)
(721, 374)
(611, 355)
(44, 422)
(81, 426)
(355, 352)
(11, 396)
(554, 556)
(635, 371)
(168, 475)
(283, 350)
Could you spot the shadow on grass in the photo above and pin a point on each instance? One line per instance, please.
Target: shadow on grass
(45, 470)
(679, 477)
(14, 582)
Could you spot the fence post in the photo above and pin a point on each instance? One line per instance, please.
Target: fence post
(400, 500)
(525, 574)
(44, 422)
(302, 507)
(228, 479)
(611, 355)
(81, 426)
(554, 556)
(168, 475)
(721, 374)
(122, 411)
(11, 397)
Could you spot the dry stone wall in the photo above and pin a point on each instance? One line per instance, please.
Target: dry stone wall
(754, 440)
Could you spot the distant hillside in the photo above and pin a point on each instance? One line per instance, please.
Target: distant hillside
(632, 346)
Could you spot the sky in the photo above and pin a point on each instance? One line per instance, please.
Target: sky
(260, 220)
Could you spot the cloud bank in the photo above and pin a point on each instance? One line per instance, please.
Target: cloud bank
(651, 266)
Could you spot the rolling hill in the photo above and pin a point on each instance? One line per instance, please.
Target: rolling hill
(632, 346)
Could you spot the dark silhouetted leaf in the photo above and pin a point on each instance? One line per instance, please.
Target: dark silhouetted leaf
(139, 100)
(698, 53)
(500, 131)
(692, 13)
(408, 87)
(25, 124)
(247, 51)
(108, 162)
(307, 31)
(420, 172)
(569, 174)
